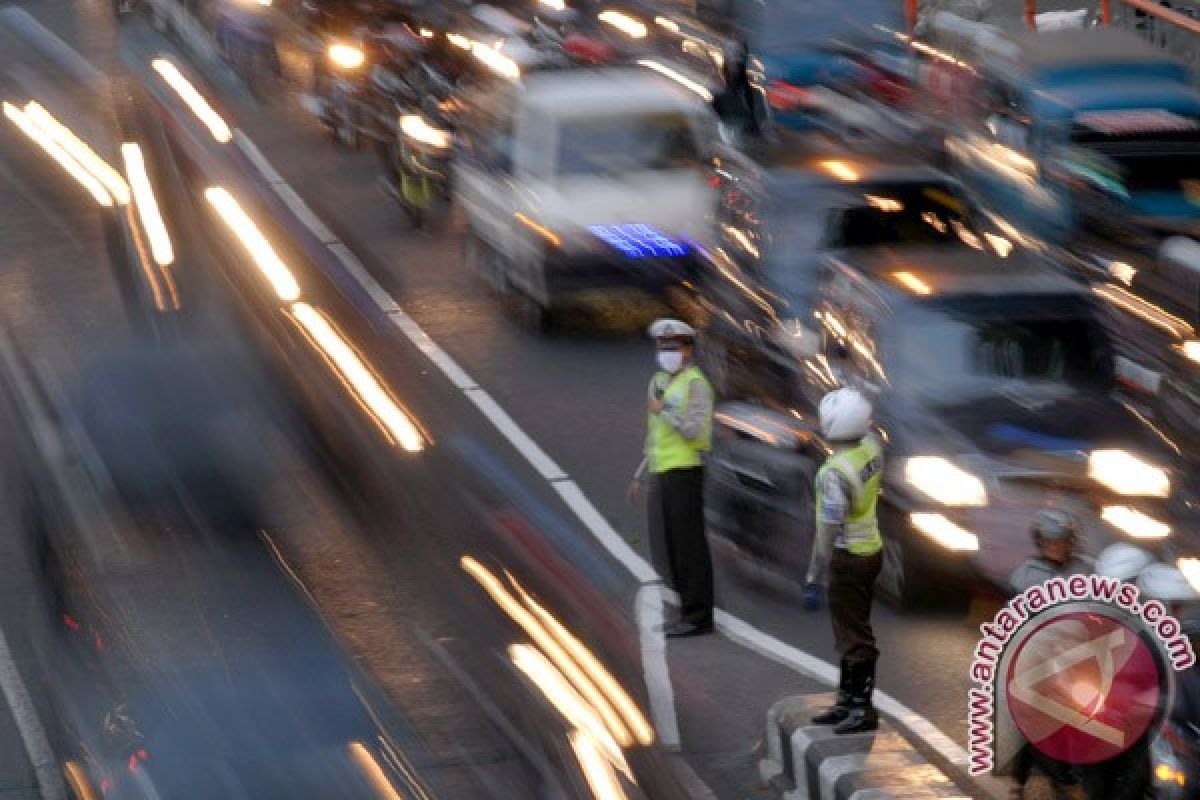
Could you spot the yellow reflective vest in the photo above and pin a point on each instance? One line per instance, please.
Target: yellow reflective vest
(666, 447)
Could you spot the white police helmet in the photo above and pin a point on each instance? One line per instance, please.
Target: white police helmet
(845, 415)
(1123, 561)
(671, 329)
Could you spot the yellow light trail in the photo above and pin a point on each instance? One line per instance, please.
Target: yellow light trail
(52, 148)
(147, 206)
(194, 100)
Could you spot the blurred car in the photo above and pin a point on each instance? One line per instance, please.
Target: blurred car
(1048, 95)
(992, 381)
(777, 224)
(583, 180)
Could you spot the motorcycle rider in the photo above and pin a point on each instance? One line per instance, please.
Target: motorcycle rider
(847, 491)
(1055, 535)
(1123, 561)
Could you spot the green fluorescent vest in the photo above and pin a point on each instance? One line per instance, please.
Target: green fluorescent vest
(666, 449)
(862, 467)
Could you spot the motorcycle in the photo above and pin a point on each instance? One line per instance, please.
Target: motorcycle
(345, 83)
(419, 162)
(245, 37)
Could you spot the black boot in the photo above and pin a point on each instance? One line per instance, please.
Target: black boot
(860, 715)
(841, 706)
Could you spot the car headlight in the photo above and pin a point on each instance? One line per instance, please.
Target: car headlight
(1135, 523)
(1127, 475)
(1190, 567)
(945, 532)
(944, 482)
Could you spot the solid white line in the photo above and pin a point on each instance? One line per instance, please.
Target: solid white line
(732, 627)
(306, 215)
(648, 607)
(616, 546)
(250, 150)
(535, 455)
(754, 639)
(356, 268)
(437, 355)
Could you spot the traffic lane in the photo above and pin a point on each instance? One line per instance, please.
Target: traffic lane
(579, 391)
(580, 395)
(461, 483)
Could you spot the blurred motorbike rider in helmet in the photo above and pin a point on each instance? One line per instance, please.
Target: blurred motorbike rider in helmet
(847, 492)
(1055, 535)
(1123, 561)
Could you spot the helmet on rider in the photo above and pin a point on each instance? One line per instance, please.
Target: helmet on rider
(1123, 561)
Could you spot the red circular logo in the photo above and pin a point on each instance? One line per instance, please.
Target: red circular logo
(1084, 687)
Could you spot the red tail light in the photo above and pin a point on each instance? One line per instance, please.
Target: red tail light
(786, 97)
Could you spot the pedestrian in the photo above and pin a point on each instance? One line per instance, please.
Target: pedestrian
(678, 435)
(847, 491)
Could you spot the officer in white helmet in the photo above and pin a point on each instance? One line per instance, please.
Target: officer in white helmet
(1055, 535)
(678, 436)
(849, 548)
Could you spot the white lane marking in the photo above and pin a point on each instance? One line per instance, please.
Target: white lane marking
(516, 437)
(617, 547)
(649, 611)
(16, 694)
(250, 150)
(356, 268)
(767, 645)
(437, 355)
(734, 628)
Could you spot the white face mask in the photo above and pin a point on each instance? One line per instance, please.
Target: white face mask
(670, 360)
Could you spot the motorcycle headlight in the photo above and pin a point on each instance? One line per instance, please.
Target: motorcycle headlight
(346, 56)
(1127, 475)
(944, 482)
(415, 127)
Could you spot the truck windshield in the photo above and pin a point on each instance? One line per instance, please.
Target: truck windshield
(623, 143)
(956, 349)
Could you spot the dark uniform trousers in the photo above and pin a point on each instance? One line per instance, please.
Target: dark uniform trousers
(676, 503)
(851, 592)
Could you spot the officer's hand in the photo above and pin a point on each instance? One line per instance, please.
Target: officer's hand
(656, 405)
(634, 493)
(812, 596)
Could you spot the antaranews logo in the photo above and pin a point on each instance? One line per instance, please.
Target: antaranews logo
(1081, 667)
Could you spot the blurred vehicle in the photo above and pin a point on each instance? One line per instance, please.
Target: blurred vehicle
(582, 180)
(420, 158)
(1104, 91)
(344, 109)
(788, 53)
(780, 220)
(993, 385)
(245, 35)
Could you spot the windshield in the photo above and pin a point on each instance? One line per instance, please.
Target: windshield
(1150, 151)
(964, 349)
(911, 215)
(627, 143)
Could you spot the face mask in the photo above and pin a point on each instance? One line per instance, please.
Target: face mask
(670, 360)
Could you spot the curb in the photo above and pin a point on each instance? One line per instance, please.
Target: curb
(810, 762)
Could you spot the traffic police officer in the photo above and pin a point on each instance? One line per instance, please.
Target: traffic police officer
(847, 490)
(678, 434)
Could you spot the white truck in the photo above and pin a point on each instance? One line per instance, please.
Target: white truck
(577, 180)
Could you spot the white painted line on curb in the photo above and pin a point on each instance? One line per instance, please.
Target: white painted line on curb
(649, 611)
(735, 629)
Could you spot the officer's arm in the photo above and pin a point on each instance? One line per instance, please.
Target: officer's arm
(835, 503)
(690, 421)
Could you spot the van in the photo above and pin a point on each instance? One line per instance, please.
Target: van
(576, 180)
